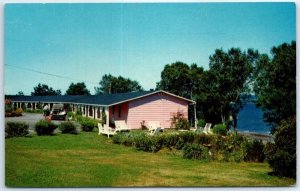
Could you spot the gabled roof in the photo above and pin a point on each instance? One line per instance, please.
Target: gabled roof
(102, 100)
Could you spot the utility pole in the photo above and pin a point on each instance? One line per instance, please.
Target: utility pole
(109, 91)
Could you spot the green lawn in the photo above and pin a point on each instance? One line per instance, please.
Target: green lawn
(90, 160)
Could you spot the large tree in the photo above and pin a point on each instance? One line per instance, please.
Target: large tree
(78, 89)
(183, 80)
(226, 85)
(176, 79)
(275, 87)
(112, 84)
(275, 84)
(43, 90)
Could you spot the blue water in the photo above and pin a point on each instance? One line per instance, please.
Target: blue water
(250, 119)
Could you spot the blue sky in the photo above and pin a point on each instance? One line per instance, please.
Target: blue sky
(82, 42)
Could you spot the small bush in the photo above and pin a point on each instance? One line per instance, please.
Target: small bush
(78, 112)
(118, 138)
(143, 125)
(87, 126)
(253, 151)
(195, 151)
(281, 155)
(67, 127)
(182, 123)
(43, 127)
(16, 129)
(71, 114)
(124, 138)
(187, 137)
(220, 129)
(34, 111)
(178, 121)
(203, 139)
(168, 140)
(201, 123)
(145, 143)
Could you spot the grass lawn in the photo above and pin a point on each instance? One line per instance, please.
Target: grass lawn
(90, 160)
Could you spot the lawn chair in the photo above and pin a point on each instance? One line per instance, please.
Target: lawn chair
(100, 128)
(152, 125)
(207, 129)
(121, 126)
(106, 130)
(156, 131)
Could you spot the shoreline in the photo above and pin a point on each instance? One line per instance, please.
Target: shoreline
(258, 136)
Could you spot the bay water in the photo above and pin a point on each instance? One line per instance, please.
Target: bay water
(250, 120)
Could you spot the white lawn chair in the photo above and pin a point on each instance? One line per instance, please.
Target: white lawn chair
(207, 129)
(100, 128)
(152, 125)
(156, 131)
(121, 126)
(106, 130)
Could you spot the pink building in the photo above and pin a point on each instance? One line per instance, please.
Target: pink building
(133, 107)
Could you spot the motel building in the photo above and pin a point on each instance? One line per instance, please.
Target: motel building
(133, 107)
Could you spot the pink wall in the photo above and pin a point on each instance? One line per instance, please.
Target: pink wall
(115, 115)
(157, 107)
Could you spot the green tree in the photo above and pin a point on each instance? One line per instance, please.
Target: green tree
(20, 93)
(226, 85)
(43, 90)
(176, 79)
(275, 87)
(78, 89)
(281, 155)
(183, 80)
(112, 84)
(275, 84)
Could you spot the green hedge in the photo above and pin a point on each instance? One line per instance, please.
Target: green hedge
(67, 128)
(253, 151)
(223, 148)
(220, 129)
(44, 127)
(195, 151)
(34, 111)
(87, 124)
(281, 155)
(16, 129)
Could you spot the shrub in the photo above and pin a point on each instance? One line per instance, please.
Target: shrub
(33, 111)
(145, 143)
(43, 127)
(78, 112)
(71, 114)
(281, 155)
(19, 111)
(253, 151)
(124, 138)
(201, 123)
(67, 127)
(182, 123)
(179, 121)
(143, 125)
(195, 151)
(187, 137)
(87, 125)
(167, 140)
(220, 129)
(16, 129)
(203, 139)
